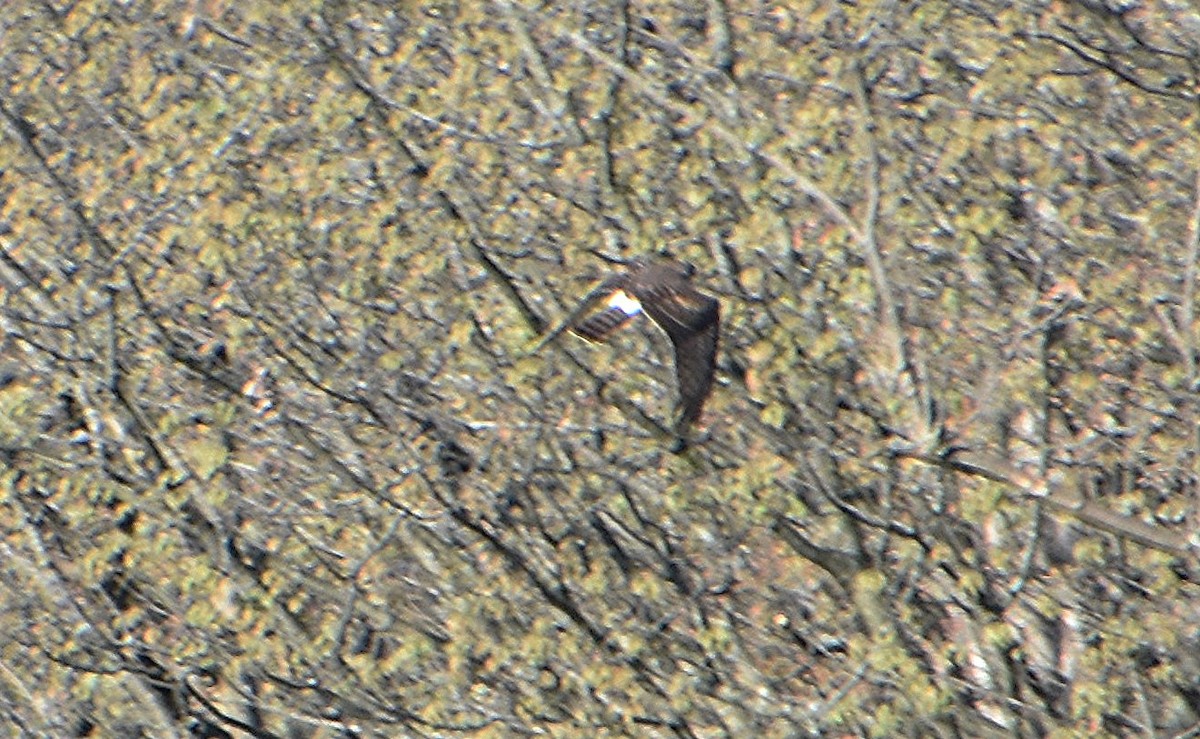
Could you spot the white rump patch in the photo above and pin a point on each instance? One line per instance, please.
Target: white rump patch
(625, 303)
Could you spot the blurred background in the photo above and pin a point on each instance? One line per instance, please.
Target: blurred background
(276, 459)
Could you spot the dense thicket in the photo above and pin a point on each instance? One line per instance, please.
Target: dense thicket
(275, 458)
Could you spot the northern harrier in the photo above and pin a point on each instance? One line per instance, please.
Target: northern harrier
(691, 319)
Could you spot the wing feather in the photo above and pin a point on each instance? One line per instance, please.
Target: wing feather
(599, 327)
(600, 292)
(692, 320)
(695, 366)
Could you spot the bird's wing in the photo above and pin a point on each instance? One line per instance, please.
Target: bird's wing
(693, 322)
(605, 289)
(622, 308)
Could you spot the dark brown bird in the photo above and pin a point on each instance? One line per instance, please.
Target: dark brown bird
(691, 319)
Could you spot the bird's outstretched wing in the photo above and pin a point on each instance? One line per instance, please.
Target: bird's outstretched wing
(693, 322)
(600, 326)
(604, 290)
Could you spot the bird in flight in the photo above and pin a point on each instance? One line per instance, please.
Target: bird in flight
(691, 319)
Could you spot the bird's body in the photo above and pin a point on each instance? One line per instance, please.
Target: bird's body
(663, 291)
